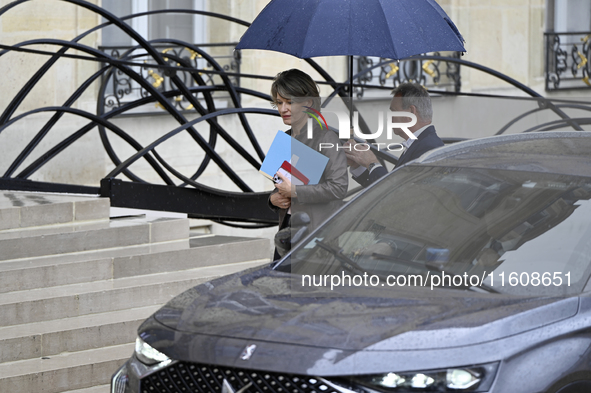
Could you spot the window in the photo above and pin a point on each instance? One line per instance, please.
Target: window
(119, 89)
(185, 27)
(567, 16)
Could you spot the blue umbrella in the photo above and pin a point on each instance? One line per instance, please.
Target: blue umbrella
(394, 29)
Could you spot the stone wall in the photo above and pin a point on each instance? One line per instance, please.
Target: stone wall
(505, 35)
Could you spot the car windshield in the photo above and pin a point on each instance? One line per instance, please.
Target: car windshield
(521, 233)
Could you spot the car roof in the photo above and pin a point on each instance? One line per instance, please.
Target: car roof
(560, 152)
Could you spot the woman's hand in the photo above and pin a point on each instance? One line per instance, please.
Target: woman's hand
(280, 201)
(284, 188)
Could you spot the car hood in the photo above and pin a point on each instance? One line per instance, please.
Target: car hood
(265, 305)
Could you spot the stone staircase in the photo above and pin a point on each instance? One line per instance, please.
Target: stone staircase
(75, 284)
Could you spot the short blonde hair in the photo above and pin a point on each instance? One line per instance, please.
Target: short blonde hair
(293, 84)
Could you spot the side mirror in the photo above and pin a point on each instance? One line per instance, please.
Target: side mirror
(299, 226)
(288, 236)
(300, 219)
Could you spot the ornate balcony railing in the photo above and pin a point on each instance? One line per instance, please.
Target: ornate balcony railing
(568, 61)
(433, 74)
(119, 88)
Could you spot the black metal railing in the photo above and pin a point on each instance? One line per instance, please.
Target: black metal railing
(119, 88)
(435, 75)
(568, 61)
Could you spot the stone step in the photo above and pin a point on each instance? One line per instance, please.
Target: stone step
(114, 233)
(203, 251)
(64, 372)
(94, 389)
(64, 269)
(50, 338)
(76, 283)
(19, 233)
(30, 209)
(45, 304)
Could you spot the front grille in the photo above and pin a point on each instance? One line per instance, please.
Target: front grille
(199, 378)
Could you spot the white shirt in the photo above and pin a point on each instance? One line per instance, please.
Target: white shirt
(418, 132)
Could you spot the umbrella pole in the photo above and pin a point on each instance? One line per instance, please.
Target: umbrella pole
(351, 91)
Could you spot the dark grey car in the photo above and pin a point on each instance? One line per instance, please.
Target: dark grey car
(465, 271)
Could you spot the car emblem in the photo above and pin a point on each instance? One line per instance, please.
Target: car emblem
(248, 351)
(227, 388)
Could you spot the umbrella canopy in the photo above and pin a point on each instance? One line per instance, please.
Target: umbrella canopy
(394, 29)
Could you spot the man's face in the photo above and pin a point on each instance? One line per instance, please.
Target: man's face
(396, 106)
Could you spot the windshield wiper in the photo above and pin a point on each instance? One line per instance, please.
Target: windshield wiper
(406, 262)
(483, 288)
(347, 262)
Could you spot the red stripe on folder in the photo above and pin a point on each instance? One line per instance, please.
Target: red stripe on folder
(294, 172)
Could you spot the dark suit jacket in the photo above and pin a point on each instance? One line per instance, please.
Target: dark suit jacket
(427, 140)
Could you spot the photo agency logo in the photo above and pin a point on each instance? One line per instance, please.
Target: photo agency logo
(314, 113)
(395, 120)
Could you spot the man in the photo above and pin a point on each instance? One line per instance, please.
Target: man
(408, 97)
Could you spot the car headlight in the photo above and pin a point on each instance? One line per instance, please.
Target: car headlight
(467, 379)
(148, 355)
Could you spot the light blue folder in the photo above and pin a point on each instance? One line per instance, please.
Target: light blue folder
(305, 159)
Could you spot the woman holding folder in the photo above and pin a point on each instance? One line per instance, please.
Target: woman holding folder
(294, 93)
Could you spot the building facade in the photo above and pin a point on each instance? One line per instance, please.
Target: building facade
(541, 43)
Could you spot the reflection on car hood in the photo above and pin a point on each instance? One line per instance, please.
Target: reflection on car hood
(262, 305)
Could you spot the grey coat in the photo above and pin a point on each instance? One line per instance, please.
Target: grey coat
(322, 199)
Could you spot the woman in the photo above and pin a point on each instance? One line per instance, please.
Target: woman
(292, 91)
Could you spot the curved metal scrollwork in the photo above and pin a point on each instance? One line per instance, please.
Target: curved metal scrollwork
(175, 77)
(180, 79)
(119, 88)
